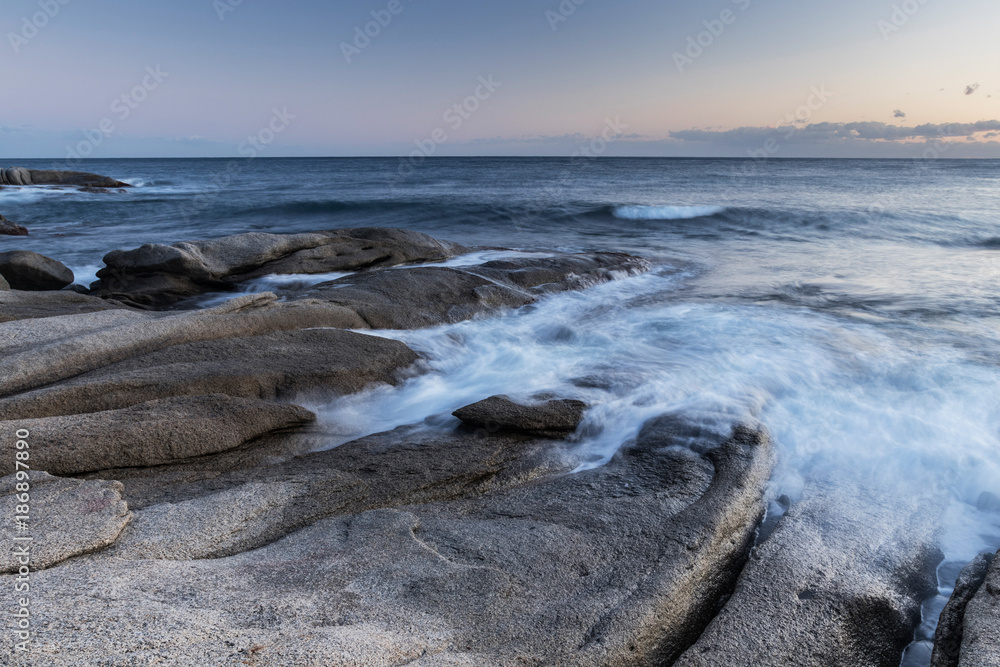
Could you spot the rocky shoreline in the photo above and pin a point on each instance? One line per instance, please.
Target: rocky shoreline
(188, 513)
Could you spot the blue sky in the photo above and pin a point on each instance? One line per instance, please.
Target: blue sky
(76, 76)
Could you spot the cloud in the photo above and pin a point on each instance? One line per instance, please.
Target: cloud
(971, 89)
(831, 132)
(898, 114)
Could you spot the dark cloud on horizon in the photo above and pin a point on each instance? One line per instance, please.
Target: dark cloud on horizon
(971, 89)
(898, 114)
(831, 132)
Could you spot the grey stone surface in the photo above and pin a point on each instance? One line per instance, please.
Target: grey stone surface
(839, 583)
(97, 346)
(556, 419)
(4, 285)
(420, 297)
(615, 566)
(68, 517)
(16, 306)
(948, 638)
(284, 365)
(981, 628)
(29, 271)
(148, 434)
(159, 275)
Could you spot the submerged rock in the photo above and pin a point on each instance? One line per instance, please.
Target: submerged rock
(159, 275)
(988, 502)
(68, 518)
(556, 419)
(149, 434)
(29, 271)
(8, 228)
(948, 638)
(981, 623)
(839, 583)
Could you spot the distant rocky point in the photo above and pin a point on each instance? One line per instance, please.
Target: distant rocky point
(82, 179)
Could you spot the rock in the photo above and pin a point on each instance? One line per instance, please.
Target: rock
(68, 518)
(15, 176)
(413, 298)
(8, 228)
(280, 365)
(149, 434)
(948, 638)
(86, 342)
(159, 275)
(981, 627)
(988, 502)
(16, 306)
(4, 285)
(23, 177)
(839, 583)
(249, 506)
(29, 271)
(621, 565)
(556, 419)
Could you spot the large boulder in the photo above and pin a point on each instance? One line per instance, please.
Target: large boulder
(160, 275)
(29, 271)
(22, 176)
(414, 298)
(556, 419)
(411, 547)
(68, 518)
(950, 629)
(15, 176)
(839, 583)
(69, 346)
(981, 623)
(149, 434)
(8, 228)
(282, 365)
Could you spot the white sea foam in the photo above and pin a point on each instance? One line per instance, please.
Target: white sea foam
(836, 394)
(666, 212)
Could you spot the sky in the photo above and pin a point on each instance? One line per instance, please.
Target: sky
(224, 78)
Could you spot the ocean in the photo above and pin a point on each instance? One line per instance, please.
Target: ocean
(851, 306)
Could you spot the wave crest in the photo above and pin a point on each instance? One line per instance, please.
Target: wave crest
(666, 212)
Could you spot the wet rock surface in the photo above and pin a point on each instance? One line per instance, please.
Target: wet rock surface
(8, 228)
(840, 582)
(156, 276)
(948, 638)
(29, 271)
(981, 623)
(555, 419)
